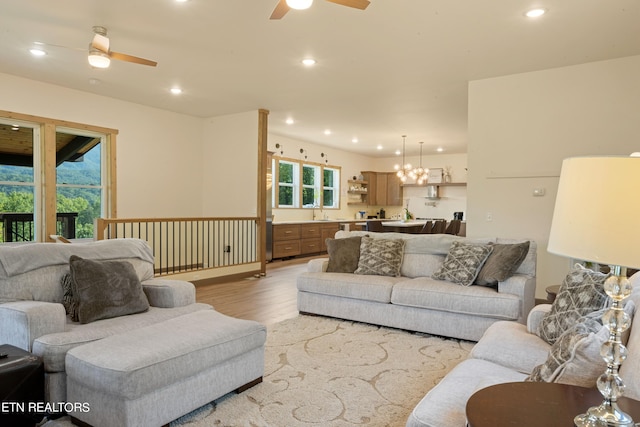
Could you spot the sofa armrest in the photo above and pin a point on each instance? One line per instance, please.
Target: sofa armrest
(24, 321)
(166, 293)
(318, 265)
(535, 317)
(525, 288)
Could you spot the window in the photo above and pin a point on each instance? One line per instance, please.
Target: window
(54, 179)
(331, 188)
(305, 185)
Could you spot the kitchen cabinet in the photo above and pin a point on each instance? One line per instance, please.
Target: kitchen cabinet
(385, 188)
(305, 238)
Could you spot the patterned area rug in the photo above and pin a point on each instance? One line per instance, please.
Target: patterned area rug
(328, 372)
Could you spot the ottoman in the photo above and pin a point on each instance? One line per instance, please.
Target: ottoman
(21, 387)
(155, 374)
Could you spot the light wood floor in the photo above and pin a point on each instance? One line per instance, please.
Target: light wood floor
(269, 299)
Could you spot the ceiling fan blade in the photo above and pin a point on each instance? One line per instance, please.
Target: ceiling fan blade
(101, 43)
(357, 4)
(130, 58)
(281, 9)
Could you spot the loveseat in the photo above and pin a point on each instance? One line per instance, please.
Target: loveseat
(414, 300)
(133, 349)
(512, 352)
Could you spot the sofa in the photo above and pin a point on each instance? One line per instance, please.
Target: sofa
(121, 347)
(411, 298)
(512, 352)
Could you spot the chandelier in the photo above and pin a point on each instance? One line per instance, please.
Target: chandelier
(419, 174)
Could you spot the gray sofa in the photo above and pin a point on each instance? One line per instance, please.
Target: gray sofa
(414, 301)
(508, 352)
(147, 368)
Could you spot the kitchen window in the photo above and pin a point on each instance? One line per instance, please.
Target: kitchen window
(305, 185)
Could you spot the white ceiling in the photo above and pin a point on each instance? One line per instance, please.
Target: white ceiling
(399, 67)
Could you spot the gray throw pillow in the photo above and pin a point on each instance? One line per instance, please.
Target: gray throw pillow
(106, 289)
(581, 292)
(380, 257)
(343, 254)
(462, 263)
(69, 302)
(502, 263)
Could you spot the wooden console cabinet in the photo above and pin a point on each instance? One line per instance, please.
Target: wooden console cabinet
(302, 239)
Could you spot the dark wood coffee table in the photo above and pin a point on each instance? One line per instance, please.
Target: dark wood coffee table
(532, 404)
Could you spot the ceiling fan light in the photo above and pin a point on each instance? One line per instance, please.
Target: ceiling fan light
(299, 4)
(99, 59)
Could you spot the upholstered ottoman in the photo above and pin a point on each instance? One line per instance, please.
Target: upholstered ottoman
(137, 379)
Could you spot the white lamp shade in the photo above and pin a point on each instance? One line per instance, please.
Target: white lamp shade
(597, 212)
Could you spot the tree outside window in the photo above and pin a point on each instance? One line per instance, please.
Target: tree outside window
(305, 185)
(331, 188)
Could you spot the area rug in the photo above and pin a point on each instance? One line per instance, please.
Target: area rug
(327, 372)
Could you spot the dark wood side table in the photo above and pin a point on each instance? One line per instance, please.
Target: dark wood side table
(552, 292)
(533, 404)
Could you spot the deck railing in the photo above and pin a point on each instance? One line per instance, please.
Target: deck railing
(183, 245)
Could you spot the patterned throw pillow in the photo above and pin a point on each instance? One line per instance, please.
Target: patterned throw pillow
(68, 301)
(581, 292)
(575, 356)
(463, 262)
(380, 257)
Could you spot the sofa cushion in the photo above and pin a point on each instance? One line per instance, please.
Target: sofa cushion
(444, 405)
(369, 288)
(581, 292)
(511, 345)
(502, 263)
(433, 294)
(343, 254)
(420, 265)
(105, 289)
(382, 257)
(54, 347)
(462, 263)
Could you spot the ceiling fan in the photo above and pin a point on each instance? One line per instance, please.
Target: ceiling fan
(100, 55)
(284, 6)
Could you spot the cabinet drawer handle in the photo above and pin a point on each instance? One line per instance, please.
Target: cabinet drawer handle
(288, 247)
(288, 232)
(311, 246)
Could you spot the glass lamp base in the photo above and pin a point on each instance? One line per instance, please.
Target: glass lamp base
(604, 416)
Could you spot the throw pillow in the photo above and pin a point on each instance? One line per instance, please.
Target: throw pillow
(343, 254)
(462, 263)
(68, 301)
(502, 263)
(380, 257)
(575, 356)
(581, 292)
(106, 289)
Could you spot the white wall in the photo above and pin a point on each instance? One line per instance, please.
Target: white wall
(230, 165)
(158, 152)
(522, 126)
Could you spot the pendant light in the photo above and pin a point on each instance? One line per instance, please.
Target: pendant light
(420, 174)
(403, 171)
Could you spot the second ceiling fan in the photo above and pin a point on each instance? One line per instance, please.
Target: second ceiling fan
(284, 6)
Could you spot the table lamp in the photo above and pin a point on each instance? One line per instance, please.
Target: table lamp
(597, 218)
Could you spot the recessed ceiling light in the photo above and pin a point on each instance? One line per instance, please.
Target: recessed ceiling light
(534, 13)
(289, 121)
(327, 131)
(439, 149)
(181, 1)
(93, 81)
(309, 62)
(176, 90)
(354, 140)
(36, 51)
(379, 147)
(398, 152)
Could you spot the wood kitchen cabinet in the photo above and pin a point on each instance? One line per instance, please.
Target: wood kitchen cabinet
(385, 188)
(302, 239)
